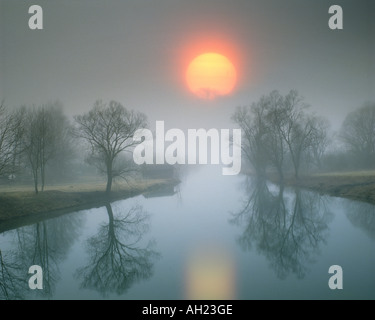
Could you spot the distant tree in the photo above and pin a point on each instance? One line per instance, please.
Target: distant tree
(45, 136)
(109, 131)
(319, 141)
(11, 131)
(252, 123)
(358, 134)
(277, 128)
(275, 145)
(295, 127)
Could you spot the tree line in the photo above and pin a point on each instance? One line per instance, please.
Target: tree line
(279, 133)
(36, 138)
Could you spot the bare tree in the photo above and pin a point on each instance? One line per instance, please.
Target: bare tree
(109, 131)
(294, 127)
(302, 132)
(275, 143)
(11, 131)
(319, 141)
(277, 128)
(358, 133)
(46, 133)
(252, 123)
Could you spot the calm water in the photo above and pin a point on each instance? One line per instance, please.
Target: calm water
(213, 236)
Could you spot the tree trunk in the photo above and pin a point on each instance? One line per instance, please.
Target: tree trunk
(36, 187)
(42, 175)
(296, 173)
(281, 175)
(109, 183)
(109, 177)
(35, 174)
(295, 165)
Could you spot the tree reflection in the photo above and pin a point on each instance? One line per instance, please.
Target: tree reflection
(117, 257)
(12, 284)
(46, 244)
(287, 228)
(362, 215)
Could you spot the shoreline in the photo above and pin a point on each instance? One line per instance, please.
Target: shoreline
(357, 186)
(23, 208)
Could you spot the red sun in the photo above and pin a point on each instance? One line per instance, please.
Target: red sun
(210, 75)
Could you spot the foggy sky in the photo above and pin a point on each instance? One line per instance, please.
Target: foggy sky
(136, 52)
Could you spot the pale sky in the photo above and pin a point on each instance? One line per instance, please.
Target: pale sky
(137, 52)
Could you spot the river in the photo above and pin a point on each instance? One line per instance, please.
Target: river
(211, 237)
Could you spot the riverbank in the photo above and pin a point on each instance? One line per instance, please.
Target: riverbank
(356, 185)
(19, 202)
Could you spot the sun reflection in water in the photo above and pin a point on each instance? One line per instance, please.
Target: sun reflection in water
(210, 274)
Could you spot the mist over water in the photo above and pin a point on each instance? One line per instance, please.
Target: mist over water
(271, 243)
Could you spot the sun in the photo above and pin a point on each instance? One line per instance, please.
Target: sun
(210, 75)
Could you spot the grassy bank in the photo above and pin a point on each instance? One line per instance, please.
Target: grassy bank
(18, 202)
(357, 185)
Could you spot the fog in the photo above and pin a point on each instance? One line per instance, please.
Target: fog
(137, 53)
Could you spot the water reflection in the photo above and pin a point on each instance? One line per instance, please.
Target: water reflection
(45, 244)
(287, 227)
(12, 281)
(362, 215)
(164, 191)
(116, 256)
